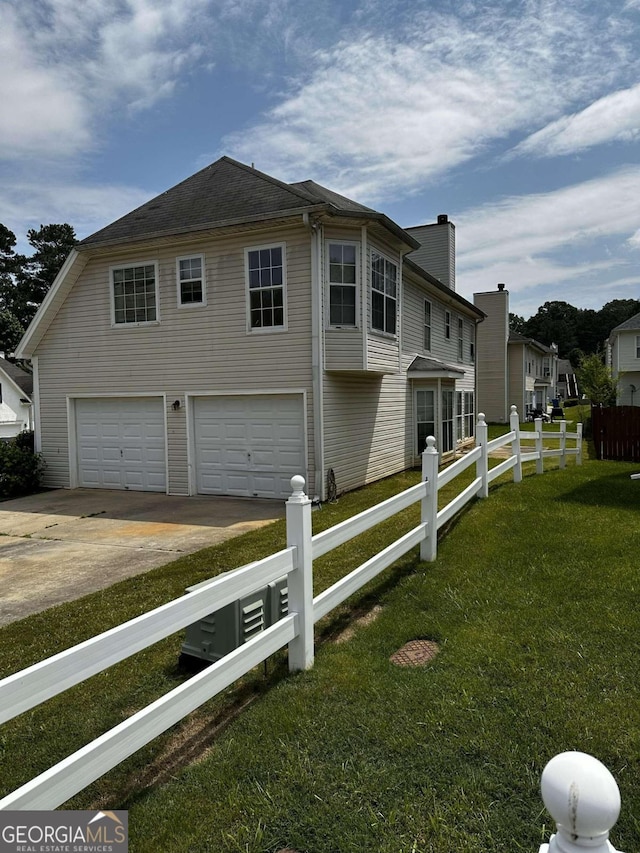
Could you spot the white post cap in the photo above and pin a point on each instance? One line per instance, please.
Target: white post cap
(583, 798)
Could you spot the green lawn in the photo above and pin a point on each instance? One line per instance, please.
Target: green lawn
(533, 601)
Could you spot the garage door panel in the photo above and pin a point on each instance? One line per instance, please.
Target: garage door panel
(121, 443)
(255, 444)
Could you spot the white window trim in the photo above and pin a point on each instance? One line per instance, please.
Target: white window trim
(356, 285)
(180, 303)
(637, 346)
(430, 326)
(266, 330)
(434, 392)
(447, 325)
(460, 339)
(123, 266)
(389, 335)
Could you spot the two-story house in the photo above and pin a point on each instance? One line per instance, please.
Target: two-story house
(623, 353)
(237, 330)
(513, 370)
(16, 412)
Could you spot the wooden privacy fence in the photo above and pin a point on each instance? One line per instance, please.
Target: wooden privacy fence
(42, 681)
(616, 432)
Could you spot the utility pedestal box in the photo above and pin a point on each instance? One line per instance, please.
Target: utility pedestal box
(224, 630)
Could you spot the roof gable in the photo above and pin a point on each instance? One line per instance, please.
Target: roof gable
(18, 377)
(223, 192)
(630, 325)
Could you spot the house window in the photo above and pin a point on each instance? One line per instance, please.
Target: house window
(190, 278)
(0, 392)
(447, 324)
(637, 346)
(460, 339)
(135, 295)
(447, 421)
(342, 284)
(459, 417)
(384, 278)
(266, 286)
(472, 352)
(425, 417)
(469, 413)
(427, 325)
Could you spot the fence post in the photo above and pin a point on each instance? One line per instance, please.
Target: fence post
(482, 465)
(583, 798)
(516, 449)
(300, 581)
(429, 504)
(563, 444)
(537, 425)
(579, 445)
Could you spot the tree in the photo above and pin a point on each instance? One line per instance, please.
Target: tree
(52, 244)
(10, 332)
(24, 281)
(555, 322)
(517, 323)
(595, 380)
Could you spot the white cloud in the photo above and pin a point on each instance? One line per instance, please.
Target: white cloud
(517, 240)
(613, 117)
(87, 208)
(65, 65)
(41, 111)
(381, 115)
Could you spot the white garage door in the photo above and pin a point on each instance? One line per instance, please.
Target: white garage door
(248, 445)
(121, 443)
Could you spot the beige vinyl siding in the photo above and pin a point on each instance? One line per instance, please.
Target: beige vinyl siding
(518, 378)
(626, 351)
(437, 252)
(196, 349)
(343, 349)
(491, 355)
(366, 426)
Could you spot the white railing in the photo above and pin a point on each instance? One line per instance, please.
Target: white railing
(42, 681)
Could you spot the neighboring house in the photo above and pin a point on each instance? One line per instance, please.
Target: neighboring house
(567, 380)
(623, 355)
(16, 388)
(237, 330)
(513, 370)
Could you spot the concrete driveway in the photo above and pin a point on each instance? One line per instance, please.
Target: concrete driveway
(60, 545)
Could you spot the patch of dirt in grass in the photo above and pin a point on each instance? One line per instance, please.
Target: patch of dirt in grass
(366, 619)
(191, 744)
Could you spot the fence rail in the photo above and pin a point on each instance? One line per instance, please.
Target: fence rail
(42, 681)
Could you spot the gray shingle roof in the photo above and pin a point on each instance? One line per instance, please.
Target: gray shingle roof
(23, 380)
(421, 364)
(226, 193)
(632, 324)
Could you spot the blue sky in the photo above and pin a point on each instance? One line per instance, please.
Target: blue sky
(521, 120)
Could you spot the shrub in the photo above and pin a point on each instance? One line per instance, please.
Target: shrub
(20, 468)
(25, 440)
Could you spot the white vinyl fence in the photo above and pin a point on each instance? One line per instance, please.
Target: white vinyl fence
(37, 683)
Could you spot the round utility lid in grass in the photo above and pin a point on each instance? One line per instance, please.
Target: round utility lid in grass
(415, 653)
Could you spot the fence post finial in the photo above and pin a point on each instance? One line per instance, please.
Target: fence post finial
(516, 449)
(300, 582)
(583, 798)
(429, 504)
(482, 465)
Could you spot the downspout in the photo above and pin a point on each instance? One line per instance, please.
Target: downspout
(317, 355)
(364, 296)
(35, 409)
